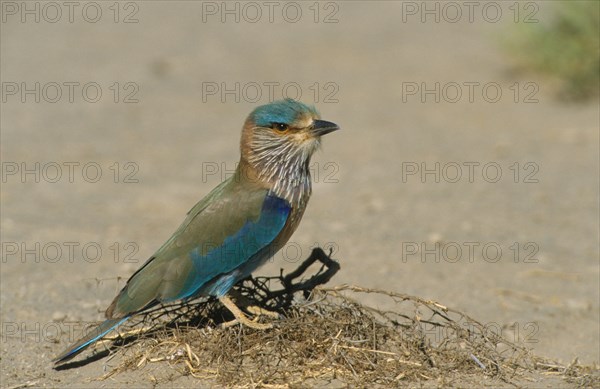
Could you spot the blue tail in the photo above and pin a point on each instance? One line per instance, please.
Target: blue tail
(90, 338)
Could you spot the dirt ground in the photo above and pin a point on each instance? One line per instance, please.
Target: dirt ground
(480, 191)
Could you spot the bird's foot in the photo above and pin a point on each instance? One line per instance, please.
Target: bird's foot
(241, 318)
(258, 311)
(248, 323)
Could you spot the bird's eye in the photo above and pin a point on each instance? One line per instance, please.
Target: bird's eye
(279, 126)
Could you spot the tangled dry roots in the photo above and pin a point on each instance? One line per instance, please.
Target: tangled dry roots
(325, 336)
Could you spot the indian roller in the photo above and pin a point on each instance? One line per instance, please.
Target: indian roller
(237, 227)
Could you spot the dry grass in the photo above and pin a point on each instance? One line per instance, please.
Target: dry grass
(325, 336)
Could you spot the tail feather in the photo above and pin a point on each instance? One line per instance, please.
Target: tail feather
(94, 335)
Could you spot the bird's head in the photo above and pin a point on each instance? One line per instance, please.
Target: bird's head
(279, 138)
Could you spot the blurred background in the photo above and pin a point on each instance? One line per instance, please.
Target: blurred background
(466, 172)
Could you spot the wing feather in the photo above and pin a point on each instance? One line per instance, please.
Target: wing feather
(224, 231)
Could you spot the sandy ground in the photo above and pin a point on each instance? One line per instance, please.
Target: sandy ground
(371, 202)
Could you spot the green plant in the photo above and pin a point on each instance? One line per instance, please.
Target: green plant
(565, 46)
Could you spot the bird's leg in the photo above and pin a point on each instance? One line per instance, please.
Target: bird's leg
(240, 317)
(259, 311)
(245, 302)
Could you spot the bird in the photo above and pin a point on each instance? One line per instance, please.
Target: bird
(236, 227)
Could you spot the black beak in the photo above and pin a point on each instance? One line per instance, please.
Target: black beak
(322, 127)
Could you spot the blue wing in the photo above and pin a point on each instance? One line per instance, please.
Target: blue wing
(215, 273)
(223, 239)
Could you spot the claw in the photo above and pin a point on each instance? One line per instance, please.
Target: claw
(240, 317)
